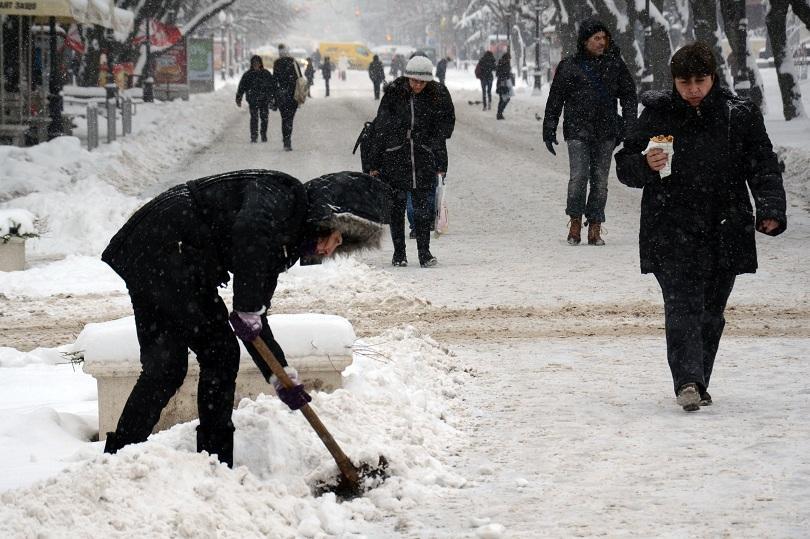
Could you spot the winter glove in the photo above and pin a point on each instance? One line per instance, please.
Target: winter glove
(238, 102)
(246, 326)
(295, 397)
(549, 144)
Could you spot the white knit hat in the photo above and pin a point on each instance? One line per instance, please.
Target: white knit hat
(419, 68)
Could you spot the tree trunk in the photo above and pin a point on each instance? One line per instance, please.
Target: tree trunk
(735, 23)
(776, 20)
(661, 50)
(624, 37)
(568, 15)
(704, 14)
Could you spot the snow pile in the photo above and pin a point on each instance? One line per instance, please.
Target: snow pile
(401, 400)
(17, 222)
(86, 196)
(796, 175)
(11, 357)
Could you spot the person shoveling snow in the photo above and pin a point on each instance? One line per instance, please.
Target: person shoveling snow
(176, 251)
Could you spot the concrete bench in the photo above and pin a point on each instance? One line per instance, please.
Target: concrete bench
(317, 345)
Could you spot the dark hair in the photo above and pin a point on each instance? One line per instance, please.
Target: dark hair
(693, 60)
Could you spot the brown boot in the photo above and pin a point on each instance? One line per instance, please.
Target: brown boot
(595, 234)
(575, 231)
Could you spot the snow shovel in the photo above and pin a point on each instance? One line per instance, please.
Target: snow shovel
(353, 481)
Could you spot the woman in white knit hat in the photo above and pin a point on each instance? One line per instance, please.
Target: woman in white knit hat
(415, 118)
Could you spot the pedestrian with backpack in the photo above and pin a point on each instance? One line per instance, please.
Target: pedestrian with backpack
(483, 72)
(587, 85)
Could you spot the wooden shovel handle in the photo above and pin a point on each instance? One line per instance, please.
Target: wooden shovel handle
(346, 467)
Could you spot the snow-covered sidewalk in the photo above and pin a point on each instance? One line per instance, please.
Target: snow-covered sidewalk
(542, 408)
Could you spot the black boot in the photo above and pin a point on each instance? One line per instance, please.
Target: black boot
(217, 442)
(287, 144)
(113, 443)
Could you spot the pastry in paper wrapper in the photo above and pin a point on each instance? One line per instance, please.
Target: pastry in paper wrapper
(665, 142)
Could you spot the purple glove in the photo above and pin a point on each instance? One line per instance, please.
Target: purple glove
(296, 397)
(246, 326)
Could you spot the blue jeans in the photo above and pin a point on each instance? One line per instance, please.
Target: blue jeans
(590, 165)
(431, 206)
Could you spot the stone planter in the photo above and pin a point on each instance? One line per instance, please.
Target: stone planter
(12, 254)
(318, 346)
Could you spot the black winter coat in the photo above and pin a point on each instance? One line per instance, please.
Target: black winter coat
(485, 66)
(251, 223)
(441, 68)
(504, 76)
(376, 71)
(258, 86)
(588, 87)
(286, 73)
(410, 132)
(700, 219)
(326, 70)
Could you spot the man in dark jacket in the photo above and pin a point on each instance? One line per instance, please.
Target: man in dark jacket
(483, 71)
(259, 86)
(376, 72)
(177, 250)
(441, 69)
(697, 224)
(309, 73)
(286, 72)
(409, 149)
(326, 72)
(587, 85)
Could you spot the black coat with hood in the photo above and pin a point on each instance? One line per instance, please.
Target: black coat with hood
(700, 219)
(286, 72)
(410, 134)
(252, 223)
(587, 87)
(257, 85)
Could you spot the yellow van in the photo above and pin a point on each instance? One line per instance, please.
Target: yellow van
(358, 55)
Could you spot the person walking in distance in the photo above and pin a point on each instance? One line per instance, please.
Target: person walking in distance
(698, 228)
(441, 69)
(409, 149)
(259, 86)
(505, 84)
(326, 72)
(309, 73)
(483, 72)
(587, 85)
(176, 251)
(286, 73)
(376, 72)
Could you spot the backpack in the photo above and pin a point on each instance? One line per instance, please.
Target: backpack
(301, 86)
(364, 142)
(478, 70)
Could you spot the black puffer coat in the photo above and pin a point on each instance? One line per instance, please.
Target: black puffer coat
(410, 132)
(253, 223)
(590, 105)
(699, 219)
(376, 71)
(257, 85)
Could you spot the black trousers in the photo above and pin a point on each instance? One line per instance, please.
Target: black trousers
(422, 216)
(503, 100)
(287, 111)
(376, 89)
(170, 319)
(693, 311)
(326, 81)
(258, 113)
(486, 91)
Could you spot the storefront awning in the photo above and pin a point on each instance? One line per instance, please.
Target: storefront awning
(64, 10)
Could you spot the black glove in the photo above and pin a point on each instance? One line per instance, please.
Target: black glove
(549, 144)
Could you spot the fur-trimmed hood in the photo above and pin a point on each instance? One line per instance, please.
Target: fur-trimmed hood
(354, 203)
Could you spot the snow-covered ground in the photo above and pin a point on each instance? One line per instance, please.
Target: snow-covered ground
(520, 389)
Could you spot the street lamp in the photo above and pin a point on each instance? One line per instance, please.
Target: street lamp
(230, 44)
(149, 82)
(538, 72)
(222, 18)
